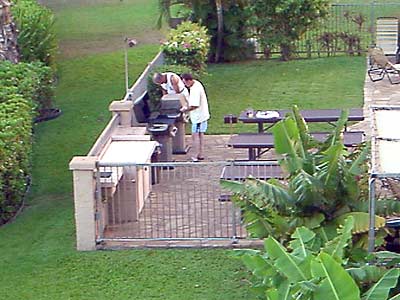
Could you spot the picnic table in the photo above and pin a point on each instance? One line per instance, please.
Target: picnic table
(309, 115)
(257, 141)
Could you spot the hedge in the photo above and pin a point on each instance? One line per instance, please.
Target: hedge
(22, 88)
(34, 81)
(15, 151)
(36, 38)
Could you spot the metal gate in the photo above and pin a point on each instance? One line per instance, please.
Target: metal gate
(170, 201)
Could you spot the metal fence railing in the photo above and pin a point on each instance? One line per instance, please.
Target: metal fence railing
(349, 28)
(171, 201)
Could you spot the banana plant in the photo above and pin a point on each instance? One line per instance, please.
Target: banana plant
(307, 271)
(322, 187)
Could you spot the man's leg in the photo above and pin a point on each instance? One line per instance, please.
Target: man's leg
(196, 143)
(200, 149)
(203, 129)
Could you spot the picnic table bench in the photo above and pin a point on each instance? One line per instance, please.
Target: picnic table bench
(255, 142)
(309, 115)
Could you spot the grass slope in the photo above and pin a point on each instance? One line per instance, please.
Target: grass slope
(85, 27)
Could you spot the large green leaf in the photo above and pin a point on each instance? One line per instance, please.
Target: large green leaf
(285, 134)
(308, 189)
(396, 297)
(336, 283)
(270, 193)
(381, 289)
(254, 261)
(335, 247)
(336, 135)
(233, 186)
(288, 265)
(366, 274)
(388, 258)
(282, 293)
(360, 160)
(361, 221)
(303, 132)
(301, 237)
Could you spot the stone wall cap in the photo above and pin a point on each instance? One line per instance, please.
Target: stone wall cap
(83, 163)
(117, 106)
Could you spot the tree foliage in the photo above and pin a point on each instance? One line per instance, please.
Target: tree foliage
(283, 22)
(36, 38)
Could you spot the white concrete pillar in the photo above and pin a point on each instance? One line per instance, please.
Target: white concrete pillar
(84, 199)
(124, 109)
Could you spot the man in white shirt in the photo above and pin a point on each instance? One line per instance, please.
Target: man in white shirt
(170, 83)
(198, 112)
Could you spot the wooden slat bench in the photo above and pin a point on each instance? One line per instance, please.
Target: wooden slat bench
(259, 141)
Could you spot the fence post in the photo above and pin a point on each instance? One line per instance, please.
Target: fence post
(371, 231)
(124, 109)
(373, 23)
(83, 168)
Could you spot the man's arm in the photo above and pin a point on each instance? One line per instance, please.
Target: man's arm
(174, 82)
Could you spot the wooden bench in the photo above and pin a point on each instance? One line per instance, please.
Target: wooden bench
(255, 142)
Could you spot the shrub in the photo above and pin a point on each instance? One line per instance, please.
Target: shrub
(187, 45)
(24, 85)
(283, 22)
(36, 38)
(154, 90)
(34, 81)
(15, 150)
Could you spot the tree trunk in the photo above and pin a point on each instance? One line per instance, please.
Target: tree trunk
(286, 52)
(220, 29)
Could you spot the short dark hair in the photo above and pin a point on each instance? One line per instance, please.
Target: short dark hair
(187, 76)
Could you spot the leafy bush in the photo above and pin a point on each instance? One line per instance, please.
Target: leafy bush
(234, 45)
(312, 269)
(187, 45)
(283, 22)
(34, 81)
(15, 150)
(23, 88)
(36, 38)
(154, 90)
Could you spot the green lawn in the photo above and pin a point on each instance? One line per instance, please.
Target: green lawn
(310, 84)
(38, 258)
(86, 27)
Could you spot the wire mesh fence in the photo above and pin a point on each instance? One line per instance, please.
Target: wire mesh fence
(173, 200)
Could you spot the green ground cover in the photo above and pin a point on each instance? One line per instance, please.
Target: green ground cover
(266, 85)
(38, 257)
(86, 27)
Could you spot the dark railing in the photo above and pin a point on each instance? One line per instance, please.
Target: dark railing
(349, 28)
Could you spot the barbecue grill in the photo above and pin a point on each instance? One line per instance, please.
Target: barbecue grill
(167, 126)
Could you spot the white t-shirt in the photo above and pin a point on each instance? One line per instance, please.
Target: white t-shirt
(170, 88)
(198, 97)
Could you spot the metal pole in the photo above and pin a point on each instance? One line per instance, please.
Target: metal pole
(126, 67)
(373, 42)
(371, 232)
